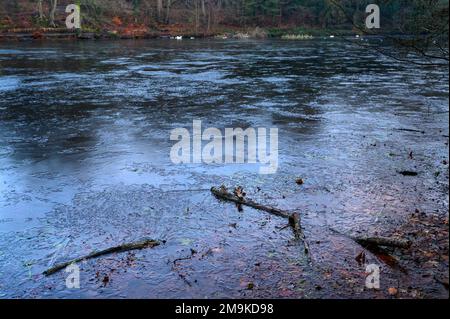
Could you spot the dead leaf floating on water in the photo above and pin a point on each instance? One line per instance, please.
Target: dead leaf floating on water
(393, 291)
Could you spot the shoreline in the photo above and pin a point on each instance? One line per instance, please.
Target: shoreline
(39, 33)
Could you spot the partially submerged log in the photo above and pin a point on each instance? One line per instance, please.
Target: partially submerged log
(294, 218)
(294, 221)
(146, 243)
(383, 241)
(376, 245)
(378, 241)
(224, 194)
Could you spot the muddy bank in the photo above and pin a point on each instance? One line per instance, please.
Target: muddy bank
(169, 31)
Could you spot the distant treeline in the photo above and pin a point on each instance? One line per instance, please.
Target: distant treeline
(209, 14)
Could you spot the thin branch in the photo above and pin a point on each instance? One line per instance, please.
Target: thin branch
(147, 243)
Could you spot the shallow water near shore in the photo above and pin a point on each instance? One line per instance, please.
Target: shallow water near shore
(85, 165)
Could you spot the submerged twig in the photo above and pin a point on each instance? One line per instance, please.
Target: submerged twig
(410, 130)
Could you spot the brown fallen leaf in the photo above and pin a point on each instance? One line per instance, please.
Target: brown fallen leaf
(393, 291)
(105, 280)
(361, 258)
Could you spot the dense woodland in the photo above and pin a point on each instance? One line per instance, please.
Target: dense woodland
(424, 22)
(401, 15)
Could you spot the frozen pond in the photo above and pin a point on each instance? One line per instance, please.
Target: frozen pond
(84, 165)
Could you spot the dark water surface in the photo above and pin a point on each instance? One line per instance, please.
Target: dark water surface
(84, 165)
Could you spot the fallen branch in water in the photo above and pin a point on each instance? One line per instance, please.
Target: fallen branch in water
(376, 246)
(224, 194)
(148, 243)
(383, 241)
(378, 241)
(294, 218)
(294, 221)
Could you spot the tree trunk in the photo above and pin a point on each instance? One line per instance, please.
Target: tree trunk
(40, 10)
(169, 3)
(203, 8)
(280, 18)
(159, 8)
(54, 4)
(209, 19)
(197, 16)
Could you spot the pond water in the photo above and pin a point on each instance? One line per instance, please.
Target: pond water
(85, 165)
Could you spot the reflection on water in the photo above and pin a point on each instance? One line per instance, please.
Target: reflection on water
(84, 152)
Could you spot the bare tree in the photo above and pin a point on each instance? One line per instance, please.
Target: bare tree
(40, 10)
(168, 7)
(423, 35)
(53, 6)
(203, 8)
(159, 8)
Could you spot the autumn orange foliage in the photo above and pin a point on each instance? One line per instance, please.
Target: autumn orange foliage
(135, 30)
(117, 21)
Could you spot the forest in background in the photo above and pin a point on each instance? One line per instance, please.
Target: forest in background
(212, 16)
